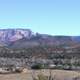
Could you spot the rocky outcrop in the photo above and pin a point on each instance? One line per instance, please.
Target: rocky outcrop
(21, 38)
(10, 35)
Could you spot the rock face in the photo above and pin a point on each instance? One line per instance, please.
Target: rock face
(22, 38)
(10, 35)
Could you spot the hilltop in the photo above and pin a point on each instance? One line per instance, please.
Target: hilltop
(21, 38)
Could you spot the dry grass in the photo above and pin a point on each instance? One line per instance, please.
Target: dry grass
(58, 74)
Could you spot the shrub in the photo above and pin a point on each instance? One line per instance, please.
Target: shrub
(37, 66)
(18, 70)
(43, 77)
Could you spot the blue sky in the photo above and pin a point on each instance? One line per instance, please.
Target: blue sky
(56, 17)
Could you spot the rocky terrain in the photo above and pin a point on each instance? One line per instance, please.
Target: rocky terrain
(18, 46)
(21, 38)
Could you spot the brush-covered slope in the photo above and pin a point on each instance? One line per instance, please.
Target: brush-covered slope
(24, 38)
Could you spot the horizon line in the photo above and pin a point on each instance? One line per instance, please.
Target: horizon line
(38, 32)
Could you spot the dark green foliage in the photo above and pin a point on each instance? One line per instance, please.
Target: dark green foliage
(37, 66)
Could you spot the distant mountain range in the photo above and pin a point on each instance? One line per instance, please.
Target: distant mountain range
(23, 38)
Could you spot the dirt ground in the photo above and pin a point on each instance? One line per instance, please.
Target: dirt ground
(58, 74)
